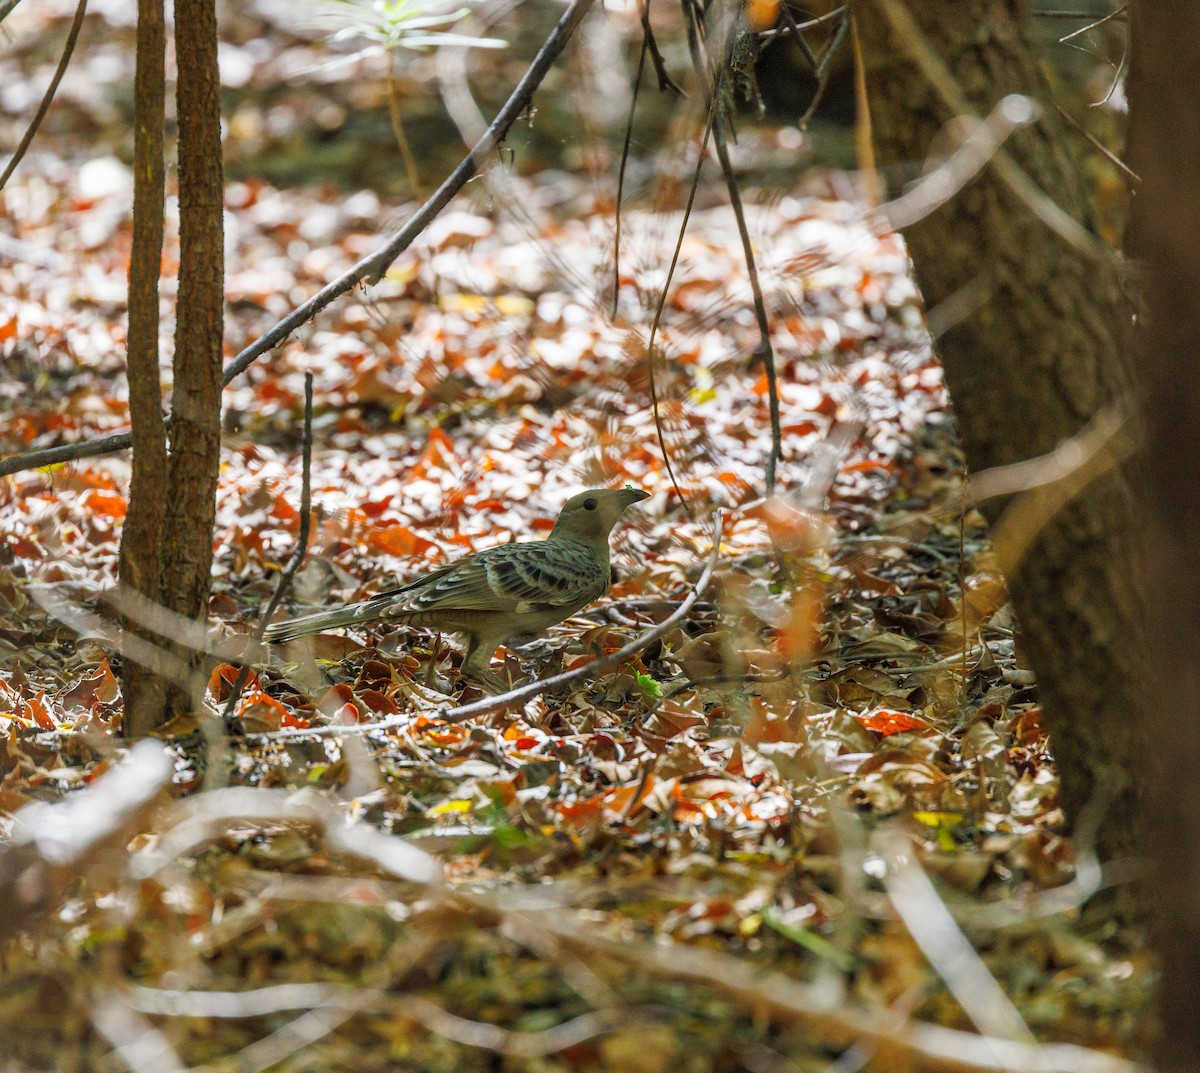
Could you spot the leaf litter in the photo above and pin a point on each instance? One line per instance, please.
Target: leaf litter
(720, 795)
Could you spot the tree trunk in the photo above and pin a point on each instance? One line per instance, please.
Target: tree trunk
(140, 560)
(1037, 355)
(196, 401)
(1164, 148)
(166, 545)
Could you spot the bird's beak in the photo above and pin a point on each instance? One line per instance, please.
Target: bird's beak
(633, 495)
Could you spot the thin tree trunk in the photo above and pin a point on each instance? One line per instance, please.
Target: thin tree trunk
(140, 558)
(196, 402)
(1038, 357)
(1164, 149)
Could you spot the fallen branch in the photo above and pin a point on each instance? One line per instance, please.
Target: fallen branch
(372, 267)
(531, 689)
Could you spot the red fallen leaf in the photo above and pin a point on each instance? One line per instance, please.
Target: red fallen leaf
(374, 508)
(613, 805)
(35, 710)
(222, 678)
(335, 698)
(112, 506)
(527, 743)
(262, 710)
(100, 686)
(399, 540)
(374, 672)
(501, 791)
(766, 725)
(282, 509)
(586, 810)
(8, 329)
(874, 583)
(379, 703)
(223, 604)
(801, 428)
(761, 386)
(291, 720)
(1028, 729)
(884, 721)
(23, 548)
(273, 391)
(605, 746)
(671, 718)
(711, 909)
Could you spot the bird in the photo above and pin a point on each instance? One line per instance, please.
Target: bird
(514, 589)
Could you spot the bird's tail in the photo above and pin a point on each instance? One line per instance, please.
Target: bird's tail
(290, 629)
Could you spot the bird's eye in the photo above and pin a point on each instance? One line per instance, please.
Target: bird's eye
(589, 504)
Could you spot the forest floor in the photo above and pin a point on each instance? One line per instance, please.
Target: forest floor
(816, 822)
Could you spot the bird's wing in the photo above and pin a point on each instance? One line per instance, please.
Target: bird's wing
(516, 578)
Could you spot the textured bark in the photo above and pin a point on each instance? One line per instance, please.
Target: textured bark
(1164, 149)
(1038, 358)
(140, 558)
(196, 401)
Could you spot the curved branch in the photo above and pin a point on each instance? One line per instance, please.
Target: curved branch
(372, 267)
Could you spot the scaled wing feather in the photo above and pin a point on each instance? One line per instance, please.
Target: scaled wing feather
(516, 578)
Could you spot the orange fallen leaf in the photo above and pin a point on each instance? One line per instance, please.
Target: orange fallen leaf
(112, 506)
(399, 540)
(885, 721)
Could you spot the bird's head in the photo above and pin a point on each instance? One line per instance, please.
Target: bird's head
(590, 516)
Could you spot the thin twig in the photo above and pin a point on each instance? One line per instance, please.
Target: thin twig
(289, 572)
(824, 67)
(48, 96)
(532, 689)
(1097, 144)
(372, 267)
(637, 85)
(765, 351)
(783, 31)
(662, 301)
(1100, 21)
(665, 81)
(393, 99)
(1119, 15)
(6, 8)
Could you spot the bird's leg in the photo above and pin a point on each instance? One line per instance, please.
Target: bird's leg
(477, 664)
(431, 668)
